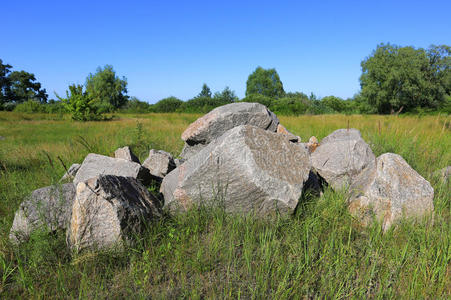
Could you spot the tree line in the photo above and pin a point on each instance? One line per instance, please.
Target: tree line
(394, 79)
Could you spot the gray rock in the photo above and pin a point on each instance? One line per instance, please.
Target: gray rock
(95, 164)
(109, 211)
(340, 135)
(341, 156)
(190, 150)
(127, 154)
(390, 190)
(70, 174)
(246, 169)
(219, 120)
(291, 137)
(159, 163)
(178, 162)
(2, 138)
(48, 208)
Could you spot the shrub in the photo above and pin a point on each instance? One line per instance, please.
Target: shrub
(80, 104)
(30, 106)
(170, 104)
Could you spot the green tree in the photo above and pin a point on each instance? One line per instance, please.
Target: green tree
(226, 96)
(335, 103)
(402, 78)
(4, 81)
(80, 104)
(206, 92)
(22, 86)
(264, 82)
(106, 89)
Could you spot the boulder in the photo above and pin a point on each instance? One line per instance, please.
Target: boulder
(127, 154)
(219, 120)
(190, 150)
(109, 211)
(178, 162)
(291, 137)
(341, 156)
(70, 174)
(159, 163)
(390, 190)
(48, 208)
(246, 169)
(95, 164)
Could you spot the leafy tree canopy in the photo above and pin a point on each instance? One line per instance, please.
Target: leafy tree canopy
(106, 89)
(264, 82)
(21, 86)
(395, 78)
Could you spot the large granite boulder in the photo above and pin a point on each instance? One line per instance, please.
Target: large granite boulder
(47, 208)
(159, 163)
(246, 169)
(390, 190)
(96, 164)
(127, 154)
(341, 156)
(109, 211)
(219, 120)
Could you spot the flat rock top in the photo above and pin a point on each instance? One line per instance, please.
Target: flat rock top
(223, 118)
(342, 135)
(96, 164)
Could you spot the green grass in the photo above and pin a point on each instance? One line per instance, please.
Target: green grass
(319, 252)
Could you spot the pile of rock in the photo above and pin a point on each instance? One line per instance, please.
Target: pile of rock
(237, 156)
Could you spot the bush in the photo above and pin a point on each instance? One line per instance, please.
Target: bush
(201, 104)
(134, 105)
(80, 104)
(30, 106)
(166, 105)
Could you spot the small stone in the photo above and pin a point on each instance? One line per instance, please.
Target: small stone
(159, 163)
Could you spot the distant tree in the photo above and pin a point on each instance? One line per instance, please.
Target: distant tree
(106, 89)
(22, 86)
(226, 96)
(335, 103)
(402, 78)
(166, 105)
(4, 81)
(264, 82)
(206, 92)
(134, 105)
(80, 104)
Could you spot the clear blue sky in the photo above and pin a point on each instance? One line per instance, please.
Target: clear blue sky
(168, 48)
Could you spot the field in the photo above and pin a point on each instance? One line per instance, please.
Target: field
(319, 252)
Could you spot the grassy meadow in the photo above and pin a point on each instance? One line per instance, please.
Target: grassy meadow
(319, 252)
